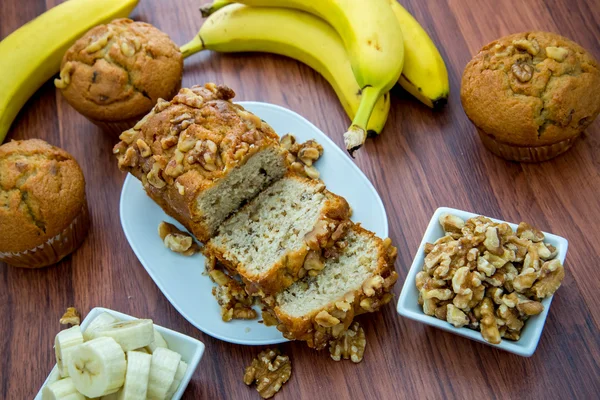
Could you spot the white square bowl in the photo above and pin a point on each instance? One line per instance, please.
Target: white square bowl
(191, 350)
(409, 307)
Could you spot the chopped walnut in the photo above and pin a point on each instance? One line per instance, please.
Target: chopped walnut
(371, 284)
(326, 320)
(302, 156)
(176, 240)
(530, 46)
(456, 316)
(232, 297)
(557, 53)
(526, 231)
(485, 276)
(269, 370)
(269, 319)
(313, 263)
(350, 344)
(70, 317)
(488, 323)
(551, 276)
(451, 223)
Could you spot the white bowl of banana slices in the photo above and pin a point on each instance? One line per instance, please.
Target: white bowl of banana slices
(113, 356)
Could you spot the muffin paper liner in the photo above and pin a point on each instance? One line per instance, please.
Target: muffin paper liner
(525, 154)
(55, 248)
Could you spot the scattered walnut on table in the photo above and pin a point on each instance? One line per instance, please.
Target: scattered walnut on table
(485, 276)
(302, 156)
(269, 370)
(176, 240)
(70, 317)
(350, 344)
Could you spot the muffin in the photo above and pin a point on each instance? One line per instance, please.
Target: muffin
(531, 94)
(43, 210)
(115, 73)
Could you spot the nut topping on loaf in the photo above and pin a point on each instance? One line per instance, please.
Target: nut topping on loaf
(358, 279)
(200, 156)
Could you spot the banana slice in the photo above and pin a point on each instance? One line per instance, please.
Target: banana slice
(181, 368)
(162, 372)
(130, 335)
(59, 390)
(101, 320)
(159, 341)
(64, 342)
(97, 367)
(136, 378)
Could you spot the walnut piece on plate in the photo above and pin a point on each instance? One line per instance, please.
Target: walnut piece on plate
(177, 240)
(230, 294)
(269, 370)
(485, 276)
(302, 156)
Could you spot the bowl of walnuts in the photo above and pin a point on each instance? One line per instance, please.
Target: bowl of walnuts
(484, 279)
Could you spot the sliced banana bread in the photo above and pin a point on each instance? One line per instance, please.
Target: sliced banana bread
(280, 235)
(200, 157)
(357, 278)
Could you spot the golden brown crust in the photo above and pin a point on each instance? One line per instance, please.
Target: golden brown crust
(118, 71)
(42, 190)
(374, 293)
(183, 147)
(531, 89)
(289, 269)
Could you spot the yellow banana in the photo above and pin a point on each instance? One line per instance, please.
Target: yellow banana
(424, 74)
(298, 35)
(373, 39)
(32, 54)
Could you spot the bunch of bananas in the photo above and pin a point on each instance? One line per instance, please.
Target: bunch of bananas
(32, 54)
(363, 48)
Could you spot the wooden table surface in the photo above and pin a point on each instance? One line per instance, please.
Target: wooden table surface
(423, 160)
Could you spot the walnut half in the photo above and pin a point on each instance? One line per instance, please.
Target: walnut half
(350, 344)
(269, 370)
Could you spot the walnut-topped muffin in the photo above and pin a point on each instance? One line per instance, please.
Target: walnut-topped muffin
(115, 73)
(531, 94)
(200, 156)
(43, 210)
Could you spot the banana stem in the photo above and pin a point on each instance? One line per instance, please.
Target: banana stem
(192, 47)
(357, 133)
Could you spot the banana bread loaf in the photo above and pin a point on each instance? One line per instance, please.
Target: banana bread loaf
(357, 278)
(279, 236)
(200, 156)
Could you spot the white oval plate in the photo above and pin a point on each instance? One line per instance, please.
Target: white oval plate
(182, 279)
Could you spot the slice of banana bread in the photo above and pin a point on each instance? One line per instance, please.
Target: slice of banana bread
(279, 236)
(200, 157)
(357, 278)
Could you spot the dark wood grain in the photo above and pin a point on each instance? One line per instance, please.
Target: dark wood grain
(423, 160)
